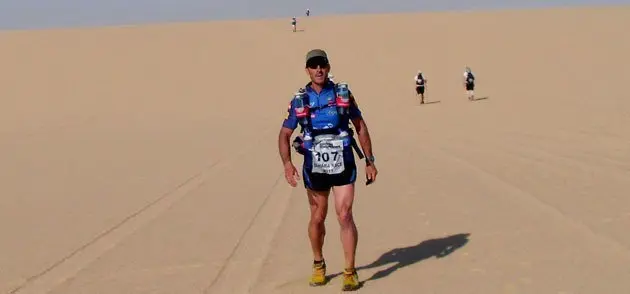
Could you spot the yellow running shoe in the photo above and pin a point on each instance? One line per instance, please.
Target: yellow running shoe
(350, 280)
(318, 277)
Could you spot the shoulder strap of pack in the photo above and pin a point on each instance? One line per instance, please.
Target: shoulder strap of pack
(305, 101)
(345, 117)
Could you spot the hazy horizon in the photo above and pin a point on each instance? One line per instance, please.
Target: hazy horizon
(30, 14)
(128, 151)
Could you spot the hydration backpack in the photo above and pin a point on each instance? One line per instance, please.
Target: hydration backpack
(343, 122)
(470, 78)
(420, 80)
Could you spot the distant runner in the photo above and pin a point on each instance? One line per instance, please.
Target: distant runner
(308, 12)
(294, 23)
(469, 83)
(421, 82)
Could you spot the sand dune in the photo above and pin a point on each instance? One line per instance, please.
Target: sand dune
(144, 159)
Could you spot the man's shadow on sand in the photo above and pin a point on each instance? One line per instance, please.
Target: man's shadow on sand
(405, 256)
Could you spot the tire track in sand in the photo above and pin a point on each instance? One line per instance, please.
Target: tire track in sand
(536, 202)
(242, 267)
(80, 258)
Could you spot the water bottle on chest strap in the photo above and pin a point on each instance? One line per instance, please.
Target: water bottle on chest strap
(305, 110)
(303, 114)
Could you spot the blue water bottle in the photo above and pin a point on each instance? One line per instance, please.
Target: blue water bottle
(343, 98)
(302, 112)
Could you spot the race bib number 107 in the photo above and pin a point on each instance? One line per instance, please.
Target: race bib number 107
(328, 157)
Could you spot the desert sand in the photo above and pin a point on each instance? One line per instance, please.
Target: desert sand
(143, 159)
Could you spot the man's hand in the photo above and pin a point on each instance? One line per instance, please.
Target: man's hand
(370, 172)
(291, 174)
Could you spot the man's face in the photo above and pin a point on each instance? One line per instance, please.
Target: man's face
(317, 68)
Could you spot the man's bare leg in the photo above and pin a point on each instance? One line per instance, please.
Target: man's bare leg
(344, 199)
(318, 201)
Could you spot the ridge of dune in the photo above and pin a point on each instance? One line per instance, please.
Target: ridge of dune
(525, 189)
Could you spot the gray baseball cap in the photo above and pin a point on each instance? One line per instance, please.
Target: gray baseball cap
(316, 53)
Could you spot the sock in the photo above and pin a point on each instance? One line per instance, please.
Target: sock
(316, 262)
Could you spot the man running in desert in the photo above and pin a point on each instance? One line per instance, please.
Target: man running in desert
(329, 165)
(421, 82)
(469, 83)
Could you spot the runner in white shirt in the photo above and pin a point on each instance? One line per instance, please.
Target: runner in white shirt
(421, 82)
(469, 83)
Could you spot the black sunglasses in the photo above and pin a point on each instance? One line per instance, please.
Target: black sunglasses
(317, 61)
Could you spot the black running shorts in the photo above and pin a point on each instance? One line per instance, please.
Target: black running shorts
(323, 182)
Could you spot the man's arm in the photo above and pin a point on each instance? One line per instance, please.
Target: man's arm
(288, 126)
(361, 127)
(364, 136)
(284, 145)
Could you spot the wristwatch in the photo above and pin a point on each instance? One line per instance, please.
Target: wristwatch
(370, 159)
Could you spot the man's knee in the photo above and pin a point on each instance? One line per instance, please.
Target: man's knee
(344, 202)
(318, 216)
(319, 206)
(344, 216)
